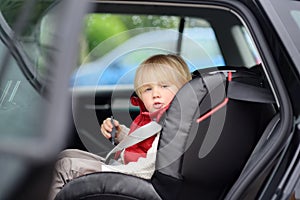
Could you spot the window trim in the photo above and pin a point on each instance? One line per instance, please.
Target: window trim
(14, 48)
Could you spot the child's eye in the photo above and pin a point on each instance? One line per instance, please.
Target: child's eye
(164, 86)
(147, 89)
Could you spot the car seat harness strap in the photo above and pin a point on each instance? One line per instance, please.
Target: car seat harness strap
(238, 91)
(219, 106)
(135, 137)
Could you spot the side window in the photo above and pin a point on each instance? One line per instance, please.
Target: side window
(201, 43)
(245, 46)
(22, 107)
(112, 45)
(20, 104)
(32, 38)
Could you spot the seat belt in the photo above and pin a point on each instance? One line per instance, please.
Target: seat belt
(135, 137)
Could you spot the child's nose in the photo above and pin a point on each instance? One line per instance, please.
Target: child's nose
(156, 92)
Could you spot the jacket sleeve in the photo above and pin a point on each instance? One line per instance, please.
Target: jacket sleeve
(124, 132)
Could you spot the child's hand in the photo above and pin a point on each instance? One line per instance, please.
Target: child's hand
(107, 127)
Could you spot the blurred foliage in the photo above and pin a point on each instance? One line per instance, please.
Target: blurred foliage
(142, 21)
(100, 27)
(11, 10)
(29, 15)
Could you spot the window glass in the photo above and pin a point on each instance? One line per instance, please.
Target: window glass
(30, 38)
(200, 44)
(296, 16)
(288, 13)
(112, 46)
(22, 76)
(20, 104)
(245, 45)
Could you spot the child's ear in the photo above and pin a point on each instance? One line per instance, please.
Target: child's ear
(136, 101)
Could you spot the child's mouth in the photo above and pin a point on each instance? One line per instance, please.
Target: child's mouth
(158, 105)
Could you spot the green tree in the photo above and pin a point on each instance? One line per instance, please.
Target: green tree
(99, 27)
(11, 12)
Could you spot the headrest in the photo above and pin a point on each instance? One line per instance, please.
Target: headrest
(247, 84)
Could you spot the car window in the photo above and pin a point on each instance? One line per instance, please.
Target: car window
(24, 71)
(20, 103)
(245, 45)
(296, 16)
(33, 36)
(23, 76)
(33, 93)
(113, 45)
(286, 15)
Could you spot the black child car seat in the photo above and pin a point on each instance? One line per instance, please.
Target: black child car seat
(208, 133)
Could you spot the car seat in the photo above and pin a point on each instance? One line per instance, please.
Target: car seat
(209, 131)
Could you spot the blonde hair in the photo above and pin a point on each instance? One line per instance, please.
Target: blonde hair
(162, 68)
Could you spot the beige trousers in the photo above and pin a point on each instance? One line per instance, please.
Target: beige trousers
(73, 163)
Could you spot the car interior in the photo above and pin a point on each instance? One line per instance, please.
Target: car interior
(203, 159)
(196, 146)
(203, 41)
(228, 112)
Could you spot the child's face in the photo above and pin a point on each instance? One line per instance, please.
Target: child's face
(157, 95)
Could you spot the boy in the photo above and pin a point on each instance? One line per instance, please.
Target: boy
(157, 80)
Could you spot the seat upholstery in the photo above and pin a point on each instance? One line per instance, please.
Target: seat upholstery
(194, 160)
(108, 186)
